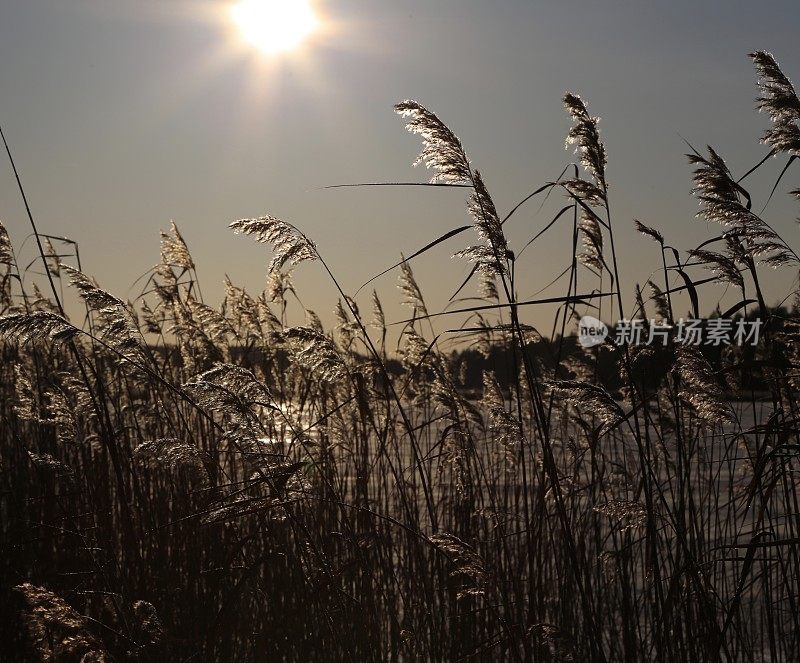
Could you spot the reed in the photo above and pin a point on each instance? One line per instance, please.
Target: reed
(185, 481)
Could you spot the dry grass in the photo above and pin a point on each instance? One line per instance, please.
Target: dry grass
(196, 483)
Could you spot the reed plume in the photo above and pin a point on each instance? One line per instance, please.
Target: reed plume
(585, 136)
(779, 100)
(56, 631)
(290, 246)
(442, 151)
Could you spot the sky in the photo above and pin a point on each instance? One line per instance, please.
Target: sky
(126, 114)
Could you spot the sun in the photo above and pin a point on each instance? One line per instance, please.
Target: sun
(274, 26)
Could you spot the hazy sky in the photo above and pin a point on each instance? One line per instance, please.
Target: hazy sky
(125, 114)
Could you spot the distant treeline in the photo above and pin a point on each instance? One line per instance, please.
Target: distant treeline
(743, 368)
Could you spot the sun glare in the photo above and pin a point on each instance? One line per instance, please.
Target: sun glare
(274, 26)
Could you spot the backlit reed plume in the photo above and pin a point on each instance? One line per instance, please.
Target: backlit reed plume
(180, 458)
(628, 514)
(592, 242)
(39, 325)
(315, 351)
(660, 300)
(6, 251)
(466, 563)
(647, 231)
(491, 255)
(590, 399)
(442, 151)
(779, 100)
(55, 630)
(721, 266)
(50, 463)
(585, 135)
(720, 199)
(289, 245)
(174, 251)
(117, 325)
(506, 427)
(409, 288)
(700, 387)
(230, 390)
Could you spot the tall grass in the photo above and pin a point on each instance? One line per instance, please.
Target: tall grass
(189, 483)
